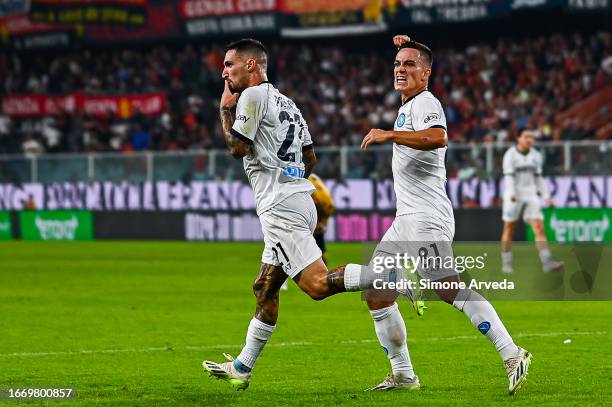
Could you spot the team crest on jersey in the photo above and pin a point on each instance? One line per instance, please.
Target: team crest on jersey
(401, 119)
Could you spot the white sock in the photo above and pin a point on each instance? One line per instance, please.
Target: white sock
(359, 278)
(483, 316)
(391, 332)
(545, 255)
(256, 338)
(507, 258)
(352, 276)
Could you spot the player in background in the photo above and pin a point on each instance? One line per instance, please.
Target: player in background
(324, 203)
(523, 189)
(269, 133)
(425, 216)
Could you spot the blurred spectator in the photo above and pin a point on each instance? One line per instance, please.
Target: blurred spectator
(30, 146)
(489, 91)
(140, 138)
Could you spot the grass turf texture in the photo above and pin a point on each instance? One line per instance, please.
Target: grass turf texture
(130, 323)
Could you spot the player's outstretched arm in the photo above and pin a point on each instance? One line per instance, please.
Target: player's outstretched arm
(428, 139)
(237, 147)
(310, 159)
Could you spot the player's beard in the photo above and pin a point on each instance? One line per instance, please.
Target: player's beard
(234, 87)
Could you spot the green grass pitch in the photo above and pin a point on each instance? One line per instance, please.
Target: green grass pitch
(129, 324)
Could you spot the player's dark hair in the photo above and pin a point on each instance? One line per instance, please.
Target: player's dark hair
(252, 47)
(424, 50)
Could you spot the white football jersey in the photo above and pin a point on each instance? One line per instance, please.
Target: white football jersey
(277, 132)
(522, 174)
(419, 177)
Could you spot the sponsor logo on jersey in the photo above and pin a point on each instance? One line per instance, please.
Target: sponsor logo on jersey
(432, 116)
(294, 172)
(525, 168)
(242, 118)
(401, 119)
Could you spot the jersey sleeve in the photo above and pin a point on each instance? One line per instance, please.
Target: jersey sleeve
(307, 137)
(249, 113)
(427, 113)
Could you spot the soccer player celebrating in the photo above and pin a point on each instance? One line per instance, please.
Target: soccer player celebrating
(425, 215)
(523, 188)
(269, 133)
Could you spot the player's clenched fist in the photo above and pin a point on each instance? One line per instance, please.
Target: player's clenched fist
(400, 40)
(228, 99)
(375, 136)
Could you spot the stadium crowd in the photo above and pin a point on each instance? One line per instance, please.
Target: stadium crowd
(489, 91)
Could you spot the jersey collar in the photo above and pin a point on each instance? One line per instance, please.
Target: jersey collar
(520, 152)
(413, 96)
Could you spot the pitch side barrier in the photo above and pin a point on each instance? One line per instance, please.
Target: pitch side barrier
(563, 225)
(236, 225)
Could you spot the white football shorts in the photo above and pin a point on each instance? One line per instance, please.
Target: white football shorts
(418, 236)
(287, 228)
(530, 207)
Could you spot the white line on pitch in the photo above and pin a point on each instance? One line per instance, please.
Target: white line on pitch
(286, 344)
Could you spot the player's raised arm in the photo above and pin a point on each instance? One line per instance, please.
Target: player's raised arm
(422, 126)
(400, 40)
(237, 147)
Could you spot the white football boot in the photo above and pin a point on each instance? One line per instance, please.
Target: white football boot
(227, 371)
(517, 368)
(397, 382)
(507, 268)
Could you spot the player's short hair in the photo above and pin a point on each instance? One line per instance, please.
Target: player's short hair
(252, 47)
(424, 50)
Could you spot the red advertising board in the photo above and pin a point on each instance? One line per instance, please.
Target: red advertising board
(20, 24)
(206, 8)
(118, 105)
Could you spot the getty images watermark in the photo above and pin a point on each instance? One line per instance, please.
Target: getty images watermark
(431, 269)
(426, 267)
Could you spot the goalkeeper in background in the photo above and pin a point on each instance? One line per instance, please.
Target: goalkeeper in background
(325, 208)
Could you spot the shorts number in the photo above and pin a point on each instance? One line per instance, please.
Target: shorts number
(423, 252)
(282, 251)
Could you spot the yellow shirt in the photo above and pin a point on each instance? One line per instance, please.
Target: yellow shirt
(322, 199)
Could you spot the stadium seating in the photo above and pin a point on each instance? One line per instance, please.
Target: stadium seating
(490, 91)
